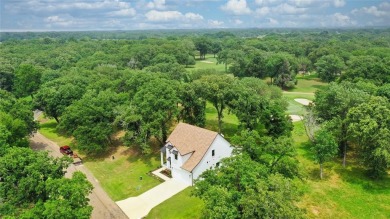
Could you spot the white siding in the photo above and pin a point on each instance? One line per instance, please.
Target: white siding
(222, 149)
(182, 175)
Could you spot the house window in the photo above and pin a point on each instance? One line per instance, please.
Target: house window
(213, 153)
(175, 156)
(217, 164)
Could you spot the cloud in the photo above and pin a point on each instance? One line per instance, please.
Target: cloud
(166, 16)
(382, 10)
(237, 21)
(236, 7)
(263, 11)
(123, 12)
(288, 9)
(273, 21)
(215, 23)
(339, 20)
(156, 4)
(338, 3)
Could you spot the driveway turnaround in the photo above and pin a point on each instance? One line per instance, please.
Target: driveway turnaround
(138, 207)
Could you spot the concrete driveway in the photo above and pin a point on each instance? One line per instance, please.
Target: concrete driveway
(138, 207)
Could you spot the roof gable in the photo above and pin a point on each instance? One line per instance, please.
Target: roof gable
(188, 138)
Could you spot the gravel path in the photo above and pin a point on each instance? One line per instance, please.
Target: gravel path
(103, 206)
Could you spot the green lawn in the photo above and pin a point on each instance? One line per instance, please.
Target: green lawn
(181, 205)
(308, 84)
(295, 108)
(229, 121)
(209, 63)
(120, 177)
(344, 192)
(48, 129)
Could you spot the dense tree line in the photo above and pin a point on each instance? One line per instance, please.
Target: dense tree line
(95, 88)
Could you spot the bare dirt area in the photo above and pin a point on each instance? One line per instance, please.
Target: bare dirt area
(103, 206)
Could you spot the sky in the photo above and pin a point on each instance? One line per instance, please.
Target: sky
(65, 15)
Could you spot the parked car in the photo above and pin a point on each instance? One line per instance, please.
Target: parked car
(66, 150)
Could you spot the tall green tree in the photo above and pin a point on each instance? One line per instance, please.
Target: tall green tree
(33, 186)
(369, 127)
(324, 148)
(156, 104)
(243, 188)
(329, 67)
(193, 106)
(218, 89)
(332, 104)
(27, 80)
(90, 120)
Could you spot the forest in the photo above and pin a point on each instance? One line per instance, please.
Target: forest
(107, 90)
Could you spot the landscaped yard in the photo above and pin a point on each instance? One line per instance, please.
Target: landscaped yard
(180, 206)
(120, 177)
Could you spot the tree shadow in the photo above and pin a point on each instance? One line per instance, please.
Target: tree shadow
(357, 175)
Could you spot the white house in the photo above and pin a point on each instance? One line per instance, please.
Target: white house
(191, 150)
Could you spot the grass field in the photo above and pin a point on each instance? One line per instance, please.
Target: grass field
(229, 121)
(308, 83)
(180, 206)
(295, 108)
(120, 177)
(344, 192)
(48, 129)
(209, 63)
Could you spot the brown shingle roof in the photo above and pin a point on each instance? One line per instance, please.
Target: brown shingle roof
(188, 138)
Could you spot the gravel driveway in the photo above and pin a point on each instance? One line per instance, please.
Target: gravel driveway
(103, 206)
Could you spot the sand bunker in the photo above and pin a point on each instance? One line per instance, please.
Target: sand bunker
(295, 118)
(207, 62)
(305, 102)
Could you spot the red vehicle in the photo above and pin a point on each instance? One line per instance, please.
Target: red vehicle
(66, 150)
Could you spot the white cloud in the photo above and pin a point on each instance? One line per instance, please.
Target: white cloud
(263, 11)
(273, 21)
(237, 21)
(193, 16)
(338, 19)
(165, 16)
(266, 2)
(236, 7)
(215, 23)
(123, 12)
(380, 11)
(288, 9)
(156, 4)
(339, 3)
(302, 3)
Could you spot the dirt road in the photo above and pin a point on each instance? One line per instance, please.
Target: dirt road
(103, 206)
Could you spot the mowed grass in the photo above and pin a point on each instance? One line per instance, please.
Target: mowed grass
(209, 63)
(308, 84)
(120, 177)
(48, 129)
(344, 192)
(229, 121)
(295, 108)
(180, 206)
